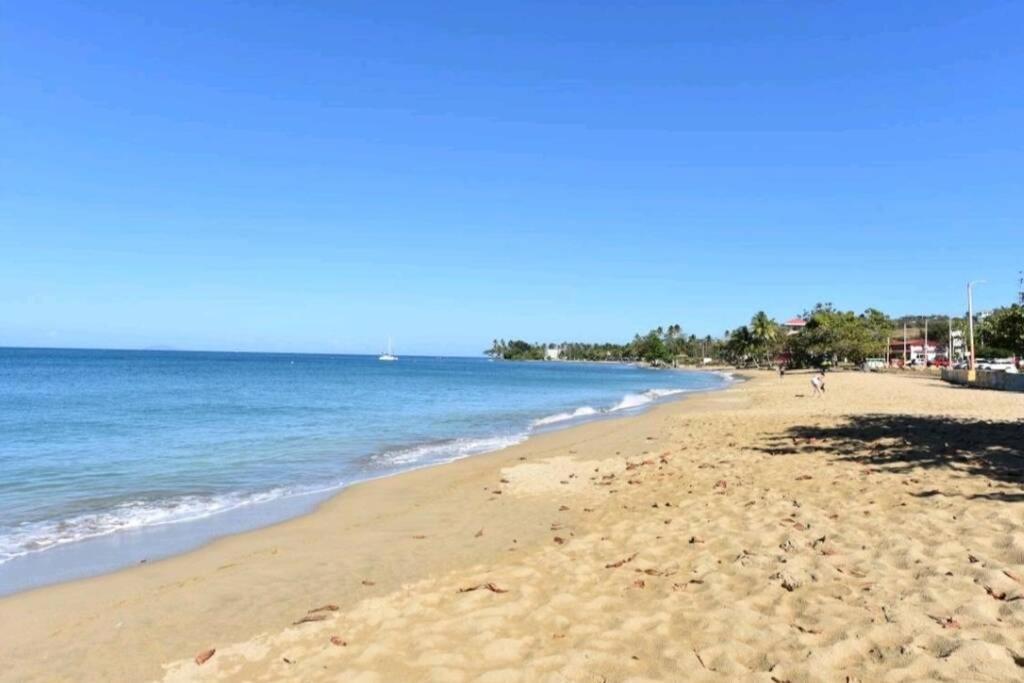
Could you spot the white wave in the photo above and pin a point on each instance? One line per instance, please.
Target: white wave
(636, 400)
(662, 393)
(39, 536)
(582, 411)
(36, 536)
(446, 451)
(631, 401)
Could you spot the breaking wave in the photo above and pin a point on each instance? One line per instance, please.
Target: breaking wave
(135, 514)
(583, 411)
(447, 450)
(138, 514)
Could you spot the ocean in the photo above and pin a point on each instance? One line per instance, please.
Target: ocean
(109, 458)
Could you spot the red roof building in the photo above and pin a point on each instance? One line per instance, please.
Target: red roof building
(794, 325)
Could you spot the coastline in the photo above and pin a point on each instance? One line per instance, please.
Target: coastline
(108, 545)
(362, 505)
(391, 555)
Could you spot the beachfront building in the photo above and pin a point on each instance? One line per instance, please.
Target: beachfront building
(794, 325)
(553, 352)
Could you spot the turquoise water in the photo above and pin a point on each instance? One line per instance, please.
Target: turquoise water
(111, 457)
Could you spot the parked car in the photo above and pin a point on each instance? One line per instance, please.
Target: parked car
(940, 363)
(996, 364)
(873, 364)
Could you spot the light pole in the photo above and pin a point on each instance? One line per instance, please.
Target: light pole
(971, 376)
(926, 342)
(904, 345)
(949, 343)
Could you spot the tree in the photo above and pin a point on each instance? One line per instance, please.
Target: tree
(497, 349)
(833, 336)
(740, 345)
(650, 347)
(517, 349)
(765, 334)
(675, 343)
(1003, 331)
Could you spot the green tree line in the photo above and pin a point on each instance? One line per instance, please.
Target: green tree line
(830, 336)
(662, 345)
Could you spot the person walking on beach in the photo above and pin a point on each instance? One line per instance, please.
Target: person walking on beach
(818, 384)
(782, 371)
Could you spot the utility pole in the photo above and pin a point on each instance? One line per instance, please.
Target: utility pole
(971, 375)
(926, 341)
(949, 343)
(904, 343)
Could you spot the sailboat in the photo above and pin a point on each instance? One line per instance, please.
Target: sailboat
(388, 356)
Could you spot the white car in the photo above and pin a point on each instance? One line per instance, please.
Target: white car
(996, 365)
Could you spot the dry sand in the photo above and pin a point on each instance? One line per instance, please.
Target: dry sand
(758, 534)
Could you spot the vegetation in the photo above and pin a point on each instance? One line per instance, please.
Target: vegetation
(830, 337)
(662, 345)
(1001, 332)
(833, 336)
(756, 343)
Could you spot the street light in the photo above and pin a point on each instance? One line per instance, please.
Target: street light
(949, 343)
(926, 342)
(970, 325)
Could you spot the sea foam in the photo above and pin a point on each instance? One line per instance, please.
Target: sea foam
(136, 514)
(446, 450)
(583, 411)
(637, 400)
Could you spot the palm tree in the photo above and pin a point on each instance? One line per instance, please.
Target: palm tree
(741, 343)
(765, 332)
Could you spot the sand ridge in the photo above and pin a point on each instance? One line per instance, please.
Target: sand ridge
(757, 534)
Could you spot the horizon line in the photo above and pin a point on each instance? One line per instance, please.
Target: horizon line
(4, 347)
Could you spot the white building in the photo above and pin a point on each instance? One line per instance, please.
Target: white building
(553, 353)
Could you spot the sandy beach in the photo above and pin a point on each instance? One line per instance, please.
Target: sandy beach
(876, 534)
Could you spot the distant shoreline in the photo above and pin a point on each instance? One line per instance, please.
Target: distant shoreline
(634, 363)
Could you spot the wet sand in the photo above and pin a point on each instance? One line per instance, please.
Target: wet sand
(755, 534)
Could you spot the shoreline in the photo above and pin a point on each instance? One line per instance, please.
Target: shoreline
(686, 538)
(365, 516)
(118, 549)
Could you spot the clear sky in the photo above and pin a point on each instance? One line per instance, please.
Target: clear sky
(316, 176)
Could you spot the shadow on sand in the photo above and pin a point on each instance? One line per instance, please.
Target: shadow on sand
(900, 443)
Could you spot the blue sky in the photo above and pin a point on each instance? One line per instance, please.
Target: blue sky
(316, 176)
